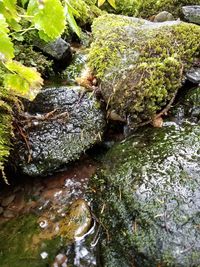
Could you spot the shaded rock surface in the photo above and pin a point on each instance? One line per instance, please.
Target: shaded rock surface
(188, 107)
(141, 64)
(61, 124)
(193, 75)
(58, 50)
(192, 13)
(149, 191)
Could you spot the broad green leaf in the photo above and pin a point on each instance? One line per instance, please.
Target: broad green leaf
(48, 17)
(70, 17)
(6, 46)
(9, 10)
(101, 2)
(112, 3)
(24, 81)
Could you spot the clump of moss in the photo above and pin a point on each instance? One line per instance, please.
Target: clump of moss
(86, 11)
(141, 65)
(30, 58)
(6, 130)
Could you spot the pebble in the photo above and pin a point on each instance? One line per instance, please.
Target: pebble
(1, 210)
(8, 214)
(6, 201)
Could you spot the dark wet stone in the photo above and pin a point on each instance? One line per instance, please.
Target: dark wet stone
(147, 199)
(192, 13)
(59, 50)
(193, 75)
(188, 108)
(61, 124)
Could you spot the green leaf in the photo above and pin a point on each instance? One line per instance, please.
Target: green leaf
(101, 2)
(112, 3)
(9, 10)
(6, 46)
(24, 81)
(69, 11)
(48, 17)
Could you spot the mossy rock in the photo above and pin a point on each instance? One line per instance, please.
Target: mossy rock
(148, 8)
(141, 64)
(147, 199)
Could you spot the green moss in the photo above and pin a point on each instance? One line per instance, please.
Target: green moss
(19, 245)
(86, 11)
(30, 58)
(141, 67)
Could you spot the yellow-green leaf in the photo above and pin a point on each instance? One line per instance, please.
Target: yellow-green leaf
(6, 46)
(112, 3)
(24, 81)
(101, 2)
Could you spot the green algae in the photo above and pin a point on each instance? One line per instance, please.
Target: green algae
(140, 64)
(17, 245)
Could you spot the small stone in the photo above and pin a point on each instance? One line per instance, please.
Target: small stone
(60, 259)
(77, 221)
(6, 201)
(1, 210)
(44, 255)
(157, 122)
(193, 75)
(192, 13)
(163, 16)
(8, 214)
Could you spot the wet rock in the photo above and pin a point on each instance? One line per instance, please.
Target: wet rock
(77, 221)
(135, 62)
(58, 49)
(193, 75)
(163, 16)
(6, 201)
(147, 199)
(60, 261)
(192, 13)
(188, 108)
(75, 68)
(61, 124)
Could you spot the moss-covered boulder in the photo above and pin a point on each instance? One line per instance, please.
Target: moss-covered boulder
(58, 126)
(148, 8)
(147, 199)
(141, 64)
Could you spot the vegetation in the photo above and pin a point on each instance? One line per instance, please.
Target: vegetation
(18, 61)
